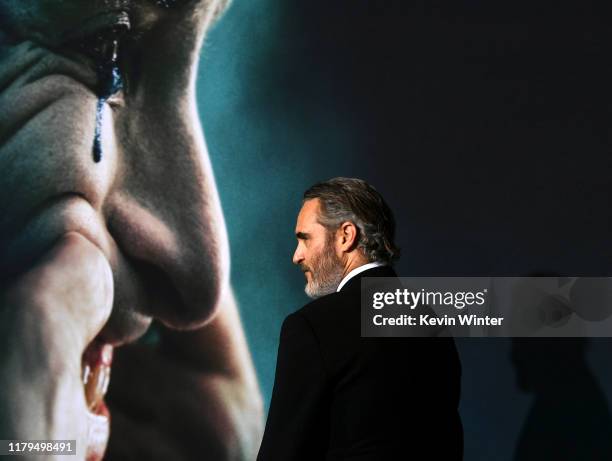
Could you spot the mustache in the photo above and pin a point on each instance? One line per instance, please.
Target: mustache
(304, 268)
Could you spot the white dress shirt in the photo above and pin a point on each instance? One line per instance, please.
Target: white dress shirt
(357, 270)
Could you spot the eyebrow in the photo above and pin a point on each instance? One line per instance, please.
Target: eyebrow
(302, 235)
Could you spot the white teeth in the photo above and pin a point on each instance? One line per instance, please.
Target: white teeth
(106, 382)
(96, 385)
(86, 373)
(107, 354)
(100, 382)
(97, 360)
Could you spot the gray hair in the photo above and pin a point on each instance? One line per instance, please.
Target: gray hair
(354, 200)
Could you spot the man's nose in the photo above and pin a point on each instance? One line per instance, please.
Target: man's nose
(165, 205)
(298, 256)
(181, 259)
(165, 214)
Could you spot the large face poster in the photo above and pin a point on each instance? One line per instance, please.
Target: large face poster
(156, 243)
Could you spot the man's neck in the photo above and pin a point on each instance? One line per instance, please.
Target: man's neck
(353, 262)
(357, 270)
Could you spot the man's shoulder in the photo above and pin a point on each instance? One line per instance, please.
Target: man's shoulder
(321, 323)
(313, 309)
(322, 302)
(327, 305)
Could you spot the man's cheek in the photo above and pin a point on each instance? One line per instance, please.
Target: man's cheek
(49, 160)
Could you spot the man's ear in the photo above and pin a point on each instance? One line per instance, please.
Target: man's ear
(347, 236)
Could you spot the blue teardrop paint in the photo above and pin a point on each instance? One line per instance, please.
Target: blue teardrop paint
(110, 83)
(97, 146)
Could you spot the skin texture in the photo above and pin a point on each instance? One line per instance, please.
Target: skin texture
(150, 209)
(324, 256)
(31, 366)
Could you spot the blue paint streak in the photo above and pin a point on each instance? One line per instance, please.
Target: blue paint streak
(97, 146)
(110, 84)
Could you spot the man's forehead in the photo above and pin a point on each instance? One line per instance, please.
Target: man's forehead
(308, 216)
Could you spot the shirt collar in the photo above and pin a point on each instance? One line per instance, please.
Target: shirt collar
(357, 270)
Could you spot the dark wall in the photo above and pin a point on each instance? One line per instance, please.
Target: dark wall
(486, 125)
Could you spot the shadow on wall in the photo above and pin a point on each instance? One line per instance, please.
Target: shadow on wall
(569, 418)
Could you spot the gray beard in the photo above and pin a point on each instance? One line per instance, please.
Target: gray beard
(326, 275)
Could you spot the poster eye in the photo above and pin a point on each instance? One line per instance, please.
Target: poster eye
(99, 40)
(105, 53)
(95, 35)
(103, 47)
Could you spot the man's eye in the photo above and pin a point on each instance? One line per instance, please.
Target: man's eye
(103, 48)
(100, 41)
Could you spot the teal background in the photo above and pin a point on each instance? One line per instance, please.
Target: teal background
(267, 145)
(264, 153)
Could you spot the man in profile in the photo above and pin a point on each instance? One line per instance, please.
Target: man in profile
(111, 220)
(340, 396)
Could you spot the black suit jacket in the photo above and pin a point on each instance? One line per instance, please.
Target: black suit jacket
(338, 396)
